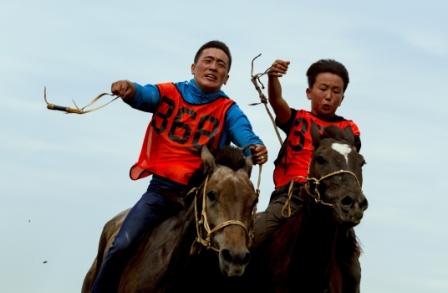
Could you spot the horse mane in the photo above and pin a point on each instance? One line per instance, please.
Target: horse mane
(350, 244)
(231, 157)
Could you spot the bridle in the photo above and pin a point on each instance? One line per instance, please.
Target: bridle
(314, 192)
(204, 232)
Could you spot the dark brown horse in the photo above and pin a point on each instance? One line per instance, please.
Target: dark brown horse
(316, 250)
(211, 236)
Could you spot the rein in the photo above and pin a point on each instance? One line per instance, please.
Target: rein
(255, 78)
(202, 222)
(76, 109)
(316, 195)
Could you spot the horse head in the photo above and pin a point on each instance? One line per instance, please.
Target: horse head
(335, 176)
(228, 200)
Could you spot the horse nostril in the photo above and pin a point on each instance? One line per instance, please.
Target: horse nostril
(364, 204)
(237, 258)
(347, 201)
(245, 258)
(226, 255)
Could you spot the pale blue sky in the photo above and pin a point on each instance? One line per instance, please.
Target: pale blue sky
(62, 176)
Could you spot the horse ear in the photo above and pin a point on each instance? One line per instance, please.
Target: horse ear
(348, 135)
(208, 161)
(315, 135)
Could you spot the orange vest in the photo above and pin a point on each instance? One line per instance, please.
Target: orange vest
(297, 151)
(176, 132)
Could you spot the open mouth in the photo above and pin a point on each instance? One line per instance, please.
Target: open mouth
(210, 77)
(326, 107)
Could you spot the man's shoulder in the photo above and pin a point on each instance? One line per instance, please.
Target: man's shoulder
(347, 120)
(342, 118)
(344, 122)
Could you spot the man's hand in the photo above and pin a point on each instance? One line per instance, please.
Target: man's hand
(278, 103)
(124, 89)
(259, 154)
(278, 68)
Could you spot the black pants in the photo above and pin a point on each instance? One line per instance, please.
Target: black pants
(268, 221)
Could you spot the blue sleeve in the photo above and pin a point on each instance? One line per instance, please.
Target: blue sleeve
(146, 98)
(239, 128)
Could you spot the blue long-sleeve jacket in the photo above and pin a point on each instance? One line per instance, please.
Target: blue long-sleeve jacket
(237, 129)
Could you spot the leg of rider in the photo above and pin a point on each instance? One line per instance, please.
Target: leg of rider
(150, 210)
(268, 221)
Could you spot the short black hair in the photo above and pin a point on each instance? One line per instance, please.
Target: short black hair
(327, 65)
(214, 44)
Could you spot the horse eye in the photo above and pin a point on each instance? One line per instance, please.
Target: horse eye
(211, 195)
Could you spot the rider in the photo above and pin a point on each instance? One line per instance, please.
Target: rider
(327, 81)
(185, 116)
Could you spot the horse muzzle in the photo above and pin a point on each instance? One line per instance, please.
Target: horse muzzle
(352, 209)
(233, 263)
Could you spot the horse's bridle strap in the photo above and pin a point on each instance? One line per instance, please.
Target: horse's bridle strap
(316, 195)
(206, 241)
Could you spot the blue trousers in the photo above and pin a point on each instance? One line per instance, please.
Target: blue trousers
(152, 208)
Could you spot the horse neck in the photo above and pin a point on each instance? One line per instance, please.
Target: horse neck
(315, 243)
(186, 236)
(318, 226)
(186, 269)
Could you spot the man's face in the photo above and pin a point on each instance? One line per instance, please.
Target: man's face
(326, 94)
(211, 69)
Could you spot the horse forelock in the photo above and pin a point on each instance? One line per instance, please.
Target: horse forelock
(337, 146)
(231, 157)
(339, 154)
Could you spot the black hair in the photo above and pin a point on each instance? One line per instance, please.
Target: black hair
(214, 44)
(327, 65)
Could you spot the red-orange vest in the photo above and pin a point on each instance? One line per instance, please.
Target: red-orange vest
(295, 157)
(176, 132)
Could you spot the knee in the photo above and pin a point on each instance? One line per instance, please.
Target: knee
(121, 243)
(259, 228)
(266, 224)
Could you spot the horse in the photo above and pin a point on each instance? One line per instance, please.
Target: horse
(316, 249)
(211, 236)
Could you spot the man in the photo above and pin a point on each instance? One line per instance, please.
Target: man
(185, 116)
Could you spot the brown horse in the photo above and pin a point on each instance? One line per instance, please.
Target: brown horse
(211, 235)
(316, 249)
